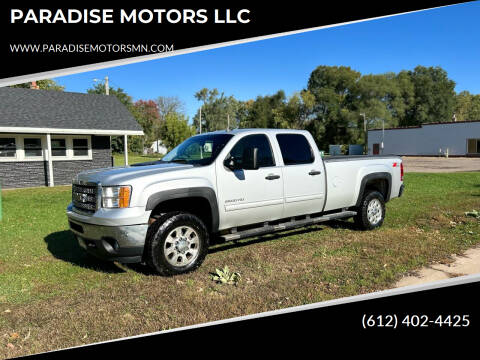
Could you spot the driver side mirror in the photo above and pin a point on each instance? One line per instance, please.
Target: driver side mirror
(231, 163)
(247, 162)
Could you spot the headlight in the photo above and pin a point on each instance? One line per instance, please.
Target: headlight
(116, 196)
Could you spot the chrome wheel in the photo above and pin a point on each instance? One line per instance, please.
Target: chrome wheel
(181, 246)
(374, 211)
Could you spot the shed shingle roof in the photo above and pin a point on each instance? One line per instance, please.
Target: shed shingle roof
(49, 109)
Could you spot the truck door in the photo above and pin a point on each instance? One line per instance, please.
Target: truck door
(250, 196)
(303, 176)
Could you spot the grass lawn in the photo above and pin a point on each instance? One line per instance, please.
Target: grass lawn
(119, 160)
(52, 295)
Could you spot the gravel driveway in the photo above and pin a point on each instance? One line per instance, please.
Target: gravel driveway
(440, 164)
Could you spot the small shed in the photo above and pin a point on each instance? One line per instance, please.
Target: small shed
(158, 147)
(47, 136)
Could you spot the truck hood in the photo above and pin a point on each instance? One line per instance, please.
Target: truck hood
(125, 174)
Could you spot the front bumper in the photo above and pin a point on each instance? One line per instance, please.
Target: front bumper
(123, 243)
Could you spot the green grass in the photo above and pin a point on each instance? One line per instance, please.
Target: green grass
(50, 289)
(119, 159)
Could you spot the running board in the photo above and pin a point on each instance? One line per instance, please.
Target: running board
(286, 225)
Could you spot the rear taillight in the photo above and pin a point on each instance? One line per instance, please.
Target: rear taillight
(401, 171)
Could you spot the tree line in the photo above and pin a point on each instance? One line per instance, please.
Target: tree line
(333, 106)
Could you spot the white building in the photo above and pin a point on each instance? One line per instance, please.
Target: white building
(158, 147)
(460, 138)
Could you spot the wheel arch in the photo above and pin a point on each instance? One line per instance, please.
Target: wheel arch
(201, 201)
(380, 181)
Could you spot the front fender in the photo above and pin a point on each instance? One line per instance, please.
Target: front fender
(183, 190)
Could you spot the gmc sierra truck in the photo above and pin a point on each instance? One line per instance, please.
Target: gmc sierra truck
(228, 185)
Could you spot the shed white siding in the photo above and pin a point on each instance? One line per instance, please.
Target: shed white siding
(429, 139)
(158, 147)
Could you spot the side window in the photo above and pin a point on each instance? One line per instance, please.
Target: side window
(59, 147)
(260, 141)
(33, 147)
(295, 149)
(80, 147)
(8, 147)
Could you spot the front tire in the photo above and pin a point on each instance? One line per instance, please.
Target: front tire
(371, 212)
(176, 243)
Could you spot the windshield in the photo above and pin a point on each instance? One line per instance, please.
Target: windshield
(198, 150)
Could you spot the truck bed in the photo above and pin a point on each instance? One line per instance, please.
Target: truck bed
(344, 174)
(357, 157)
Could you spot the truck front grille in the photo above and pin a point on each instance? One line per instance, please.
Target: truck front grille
(84, 197)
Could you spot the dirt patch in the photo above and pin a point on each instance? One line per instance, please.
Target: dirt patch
(440, 164)
(464, 264)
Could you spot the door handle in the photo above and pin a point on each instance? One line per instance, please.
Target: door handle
(314, 172)
(272, 177)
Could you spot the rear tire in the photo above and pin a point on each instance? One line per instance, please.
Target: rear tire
(176, 243)
(371, 212)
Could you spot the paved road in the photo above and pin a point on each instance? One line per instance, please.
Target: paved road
(440, 164)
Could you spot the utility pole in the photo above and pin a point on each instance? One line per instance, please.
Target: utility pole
(383, 133)
(125, 146)
(107, 88)
(200, 119)
(365, 132)
(228, 122)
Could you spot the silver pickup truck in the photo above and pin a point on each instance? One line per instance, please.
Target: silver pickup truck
(229, 185)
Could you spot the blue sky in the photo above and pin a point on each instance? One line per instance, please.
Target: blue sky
(446, 37)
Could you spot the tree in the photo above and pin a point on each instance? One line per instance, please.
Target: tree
(383, 98)
(169, 104)
(242, 114)
(165, 105)
(266, 112)
(434, 96)
(467, 106)
(463, 102)
(146, 114)
(292, 113)
(334, 117)
(46, 84)
(217, 110)
(374, 94)
(399, 97)
(206, 96)
(125, 99)
(474, 111)
(175, 129)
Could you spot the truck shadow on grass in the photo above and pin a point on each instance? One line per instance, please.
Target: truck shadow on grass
(63, 245)
(218, 245)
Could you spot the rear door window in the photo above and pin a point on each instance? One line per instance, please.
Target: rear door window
(295, 149)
